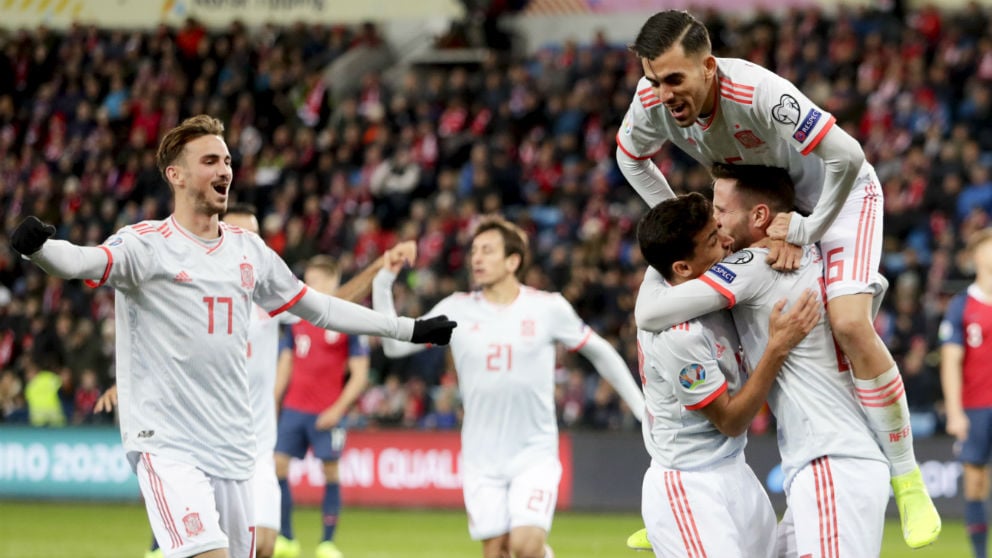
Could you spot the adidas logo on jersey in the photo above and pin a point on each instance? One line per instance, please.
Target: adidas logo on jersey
(182, 277)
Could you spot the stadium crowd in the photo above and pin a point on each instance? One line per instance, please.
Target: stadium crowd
(421, 151)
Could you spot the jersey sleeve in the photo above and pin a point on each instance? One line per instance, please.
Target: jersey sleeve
(277, 288)
(952, 326)
(739, 277)
(638, 138)
(130, 258)
(358, 346)
(789, 114)
(568, 327)
(688, 361)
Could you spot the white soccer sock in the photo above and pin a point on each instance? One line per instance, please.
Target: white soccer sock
(884, 401)
(548, 553)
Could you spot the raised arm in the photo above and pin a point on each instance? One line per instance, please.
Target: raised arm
(612, 367)
(660, 307)
(382, 302)
(57, 257)
(359, 286)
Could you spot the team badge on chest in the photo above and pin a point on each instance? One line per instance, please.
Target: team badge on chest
(247, 276)
(528, 328)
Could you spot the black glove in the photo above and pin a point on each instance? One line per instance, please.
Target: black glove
(28, 237)
(436, 330)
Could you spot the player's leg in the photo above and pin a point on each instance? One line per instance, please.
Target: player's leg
(838, 507)
(236, 506)
(488, 515)
(181, 507)
(852, 252)
(532, 498)
(752, 512)
(327, 445)
(975, 457)
(154, 551)
(291, 441)
(267, 505)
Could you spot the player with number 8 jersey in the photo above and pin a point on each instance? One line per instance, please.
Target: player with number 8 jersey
(504, 355)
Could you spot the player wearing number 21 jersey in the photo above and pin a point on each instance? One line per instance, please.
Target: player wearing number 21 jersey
(505, 361)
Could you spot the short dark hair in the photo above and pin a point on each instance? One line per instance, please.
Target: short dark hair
(667, 232)
(772, 186)
(664, 29)
(514, 240)
(325, 264)
(241, 209)
(175, 140)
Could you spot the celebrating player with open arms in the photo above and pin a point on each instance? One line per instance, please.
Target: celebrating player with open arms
(725, 110)
(504, 355)
(185, 288)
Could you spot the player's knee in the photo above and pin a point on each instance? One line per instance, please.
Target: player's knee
(851, 327)
(527, 547)
(265, 549)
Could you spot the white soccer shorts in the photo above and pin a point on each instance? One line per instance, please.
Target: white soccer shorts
(720, 512)
(192, 512)
(268, 496)
(495, 505)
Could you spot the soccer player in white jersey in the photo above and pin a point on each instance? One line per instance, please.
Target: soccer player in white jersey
(727, 110)
(699, 497)
(504, 355)
(835, 472)
(185, 289)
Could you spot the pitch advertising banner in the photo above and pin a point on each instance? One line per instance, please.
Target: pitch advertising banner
(402, 469)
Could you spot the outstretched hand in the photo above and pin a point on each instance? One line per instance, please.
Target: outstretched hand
(30, 235)
(436, 330)
(107, 401)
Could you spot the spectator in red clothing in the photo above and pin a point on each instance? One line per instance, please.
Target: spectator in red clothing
(85, 397)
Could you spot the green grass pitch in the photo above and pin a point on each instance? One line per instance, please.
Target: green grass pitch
(61, 530)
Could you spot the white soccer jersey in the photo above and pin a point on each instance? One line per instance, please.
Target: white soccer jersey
(683, 369)
(183, 309)
(759, 118)
(505, 360)
(813, 397)
(263, 354)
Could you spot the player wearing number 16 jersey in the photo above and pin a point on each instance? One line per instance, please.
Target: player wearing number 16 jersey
(505, 361)
(730, 111)
(185, 289)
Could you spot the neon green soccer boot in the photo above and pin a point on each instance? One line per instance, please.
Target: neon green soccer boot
(286, 548)
(919, 518)
(327, 549)
(639, 540)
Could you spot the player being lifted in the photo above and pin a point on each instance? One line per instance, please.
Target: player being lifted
(725, 110)
(699, 497)
(835, 472)
(185, 288)
(505, 361)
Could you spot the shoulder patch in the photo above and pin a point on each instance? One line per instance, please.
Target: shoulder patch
(787, 110)
(739, 258)
(115, 240)
(723, 273)
(808, 123)
(692, 376)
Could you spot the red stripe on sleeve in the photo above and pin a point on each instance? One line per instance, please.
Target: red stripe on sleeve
(289, 304)
(106, 270)
(631, 155)
(709, 399)
(731, 299)
(819, 137)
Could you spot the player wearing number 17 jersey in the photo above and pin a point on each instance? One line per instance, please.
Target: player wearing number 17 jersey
(505, 361)
(185, 289)
(730, 111)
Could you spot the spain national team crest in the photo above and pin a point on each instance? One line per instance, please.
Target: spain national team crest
(247, 276)
(692, 375)
(192, 523)
(528, 328)
(748, 139)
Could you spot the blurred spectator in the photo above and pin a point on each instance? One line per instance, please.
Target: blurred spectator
(87, 393)
(41, 392)
(13, 408)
